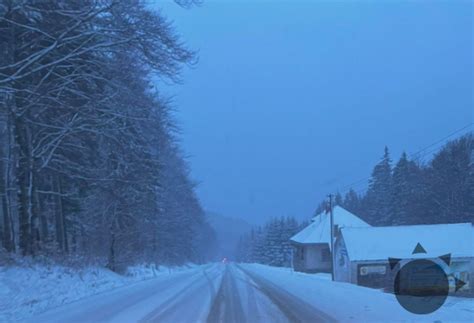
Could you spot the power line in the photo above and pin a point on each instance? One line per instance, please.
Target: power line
(359, 182)
(353, 184)
(440, 141)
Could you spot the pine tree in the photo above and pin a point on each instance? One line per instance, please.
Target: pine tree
(290, 228)
(271, 244)
(450, 182)
(338, 199)
(406, 193)
(258, 247)
(352, 202)
(377, 202)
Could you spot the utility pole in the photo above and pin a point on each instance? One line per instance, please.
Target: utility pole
(331, 216)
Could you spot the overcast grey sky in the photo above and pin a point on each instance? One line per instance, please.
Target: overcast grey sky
(291, 100)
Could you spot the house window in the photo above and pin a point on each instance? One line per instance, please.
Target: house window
(301, 253)
(373, 269)
(342, 260)
(325, 255)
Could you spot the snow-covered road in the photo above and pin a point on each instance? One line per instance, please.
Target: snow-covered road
(243, 293)
(210, 293)
(240, 299)
(179, 297)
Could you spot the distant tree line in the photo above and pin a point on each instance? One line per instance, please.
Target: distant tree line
(440, 191)
(89, 161)
(269, 244)
(412, 192)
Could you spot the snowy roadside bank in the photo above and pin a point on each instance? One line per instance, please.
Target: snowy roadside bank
(347, 302)
(28, 290)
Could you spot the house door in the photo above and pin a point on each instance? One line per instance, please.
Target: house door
(311, 258)
(342, 266)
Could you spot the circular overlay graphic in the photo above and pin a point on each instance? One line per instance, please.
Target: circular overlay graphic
(421, 286)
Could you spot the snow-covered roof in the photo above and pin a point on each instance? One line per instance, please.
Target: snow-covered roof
(379, 243)
(318, 230)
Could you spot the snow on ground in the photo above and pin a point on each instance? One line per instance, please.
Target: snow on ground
(34, 288)
(183, 296)
(188, 300)
(348, 302)
(212, 293)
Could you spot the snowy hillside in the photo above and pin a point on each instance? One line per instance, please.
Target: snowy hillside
(228, 231)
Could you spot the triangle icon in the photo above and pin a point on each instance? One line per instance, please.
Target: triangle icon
(418, 249)
(393, 262)
(446, 259)
(459, 283)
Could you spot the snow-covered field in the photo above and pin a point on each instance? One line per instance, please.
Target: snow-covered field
(34, 288)
(347, 302)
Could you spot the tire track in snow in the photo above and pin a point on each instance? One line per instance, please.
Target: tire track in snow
(184, 307)
(240, 300)
(294, 308)
(251, 300)
(227, 306)
(260, 307)
(111, 305)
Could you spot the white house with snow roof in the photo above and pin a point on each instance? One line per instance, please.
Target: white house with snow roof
(312, 244)
(362, 254)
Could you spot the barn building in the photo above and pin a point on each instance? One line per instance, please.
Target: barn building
(311, 251)
(362, 254)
